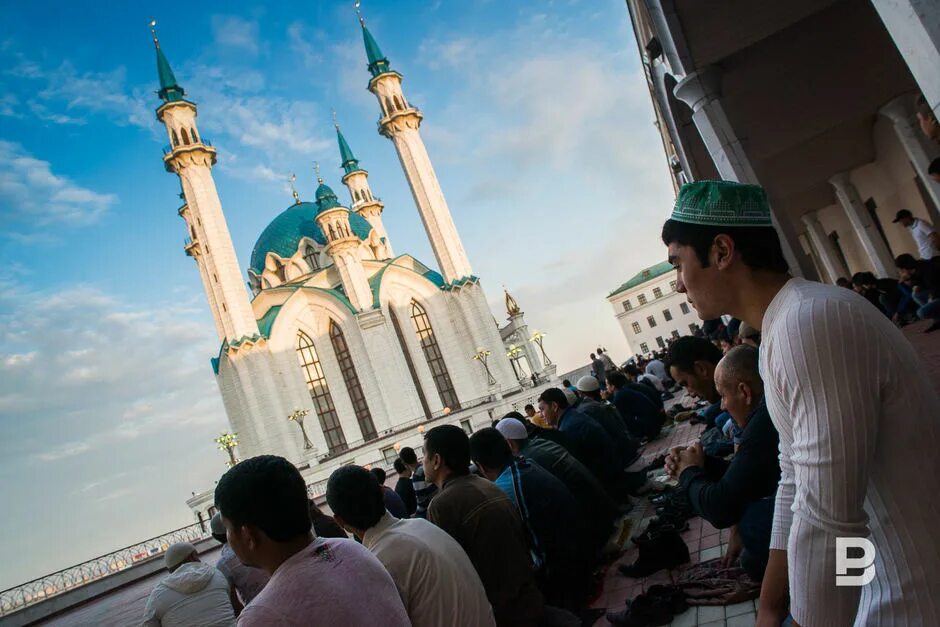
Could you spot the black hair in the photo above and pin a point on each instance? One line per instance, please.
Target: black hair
(407, 455)
(843, 282)
(934, 167)
(619, 379)
(863, 278)
(380, 474)
(267, 492)
(354, 495)
(593, 356)
(687, 350)
(529, 406)
(566, 383)
(759, 246)
(554, 395)
(399, 465)
(489, 448)
(221, 538)
(906, 262)
(451, 443)
(515, 414)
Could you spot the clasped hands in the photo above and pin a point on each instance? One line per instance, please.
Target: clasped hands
(679, 458)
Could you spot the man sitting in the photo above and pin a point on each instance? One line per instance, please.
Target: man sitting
(740, 493)
(591, 405)
(598, 507)
(641, 416)
(485, 523)
(192, 594)
(263, 502)
(434, 576)
(631, 382)
(923, 278)
(551, 517)
(692, 362)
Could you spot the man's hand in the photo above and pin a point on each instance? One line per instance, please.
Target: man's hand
(672, 462)
(735, 548)
(692, 456)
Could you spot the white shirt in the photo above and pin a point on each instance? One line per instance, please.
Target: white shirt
(859, 425)
(658, 369)
(248, 581)
(434, 576)
(193, 594)
(925, 246)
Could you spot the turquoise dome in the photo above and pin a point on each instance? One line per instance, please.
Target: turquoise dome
(282, 236)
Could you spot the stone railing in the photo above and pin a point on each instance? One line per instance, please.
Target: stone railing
(43, 588)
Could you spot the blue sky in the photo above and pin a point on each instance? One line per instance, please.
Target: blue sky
(537, 119)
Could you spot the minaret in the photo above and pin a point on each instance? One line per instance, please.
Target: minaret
(400, 122)
(343, 246)
(191, 157)
(357, 180)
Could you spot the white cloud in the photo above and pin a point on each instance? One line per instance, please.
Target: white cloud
(30, 190)
(301, 46)
(70, 449)
(235, 32)
(43, 113)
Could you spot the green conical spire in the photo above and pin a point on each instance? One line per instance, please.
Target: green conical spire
(349, 162)
(378, 64)
(169, 90)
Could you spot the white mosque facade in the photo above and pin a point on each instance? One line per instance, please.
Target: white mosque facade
(362, 347)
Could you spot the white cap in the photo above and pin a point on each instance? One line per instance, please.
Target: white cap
(177, 554)
(588, 384)
(512, 429)
(570, 395)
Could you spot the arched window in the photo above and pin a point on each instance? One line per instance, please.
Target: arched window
(332, 233)
(320, 393)
(176, 139)
(398, 104)
(346, 366)
(281, 272)
(432, 354)
(185, 136)
(410, 363)
(388, 106)
(356, 196)
(192, 132)
(310, 256)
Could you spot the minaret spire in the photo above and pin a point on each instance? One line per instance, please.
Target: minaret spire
(169, 89)
(347, 159)
(378, 64)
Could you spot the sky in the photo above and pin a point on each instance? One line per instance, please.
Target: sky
(539, 125)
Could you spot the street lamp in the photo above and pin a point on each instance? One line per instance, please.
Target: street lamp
(227, 442)
(515, 354)
(538, 338)
(481, 355)
(298, 417)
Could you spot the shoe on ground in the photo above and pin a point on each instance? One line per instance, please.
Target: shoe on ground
(664, 550)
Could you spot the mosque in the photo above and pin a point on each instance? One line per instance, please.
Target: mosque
(346, 351)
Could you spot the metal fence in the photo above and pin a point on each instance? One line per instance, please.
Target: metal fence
(37, 590)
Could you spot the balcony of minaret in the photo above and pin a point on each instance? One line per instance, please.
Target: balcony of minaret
(191, 247)
(187, 143)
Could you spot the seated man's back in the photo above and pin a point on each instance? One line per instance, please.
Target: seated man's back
(331, 582)
(194, 594)
(484, 522)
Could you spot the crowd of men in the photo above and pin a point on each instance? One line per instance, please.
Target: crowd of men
(814, 407)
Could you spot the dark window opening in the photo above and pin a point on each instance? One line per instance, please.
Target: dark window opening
(320, 393)
(353, 386)
(432, 354)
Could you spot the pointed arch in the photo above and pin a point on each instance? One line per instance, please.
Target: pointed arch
(320, 393)
(388, 106)
(410, 363)
(351, 379)
(432, 354)
(311, 257)
(356, 195)
(332, 233)
(185, 136)
(398, 104)
(176, 139)
(195, 137)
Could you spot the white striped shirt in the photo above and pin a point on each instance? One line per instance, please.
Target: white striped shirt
(859, 424)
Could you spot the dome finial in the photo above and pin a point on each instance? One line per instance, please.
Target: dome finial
(153, 31)
(362, 21)
(316, 168)
(335, 123)
(293, 190)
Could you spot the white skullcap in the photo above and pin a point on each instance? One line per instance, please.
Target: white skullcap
(588, 384)
(177, 554)
(512, 429)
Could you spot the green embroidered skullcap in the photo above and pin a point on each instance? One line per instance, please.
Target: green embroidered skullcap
(722, 203)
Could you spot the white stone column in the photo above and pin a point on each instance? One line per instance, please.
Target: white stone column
(701, 90)
(825, 250)
(882, 264)
(914, 25)
(658, 75)
(920, 150)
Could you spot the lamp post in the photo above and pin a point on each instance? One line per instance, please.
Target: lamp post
(227, 442)
(515, 354)
(298, 417)
(482, 355)
(538, 338)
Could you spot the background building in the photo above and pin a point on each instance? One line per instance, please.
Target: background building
(650, 310)
(814, 101)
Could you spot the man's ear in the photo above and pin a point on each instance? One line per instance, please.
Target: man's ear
(746, 392)
(722, 251)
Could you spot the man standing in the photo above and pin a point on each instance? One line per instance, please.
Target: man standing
(486, 524)
(404, 488)
(246, 581)
(609, 364)
(424, 489)
(852, 404)
(925, 236)
(434, 576)
(737, 494)
(263, 502)
(192, 594)
(393, 503)
(599, 369)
